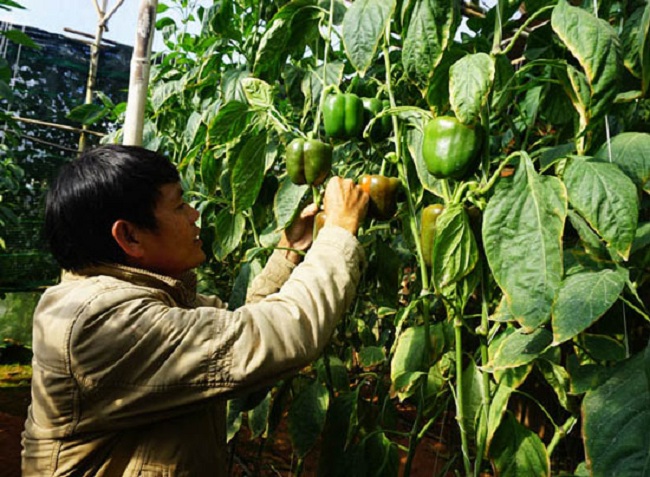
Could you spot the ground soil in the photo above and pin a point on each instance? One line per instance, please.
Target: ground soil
(13, 411)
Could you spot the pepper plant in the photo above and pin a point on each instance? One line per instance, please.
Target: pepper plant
(526, 294)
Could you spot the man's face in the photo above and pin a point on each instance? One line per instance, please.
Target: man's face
(174, 247)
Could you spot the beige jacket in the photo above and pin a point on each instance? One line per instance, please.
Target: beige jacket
(132, 370)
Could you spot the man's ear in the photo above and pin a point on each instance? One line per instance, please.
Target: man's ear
(126, 236)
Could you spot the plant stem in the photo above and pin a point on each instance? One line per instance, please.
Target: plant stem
(523, 27)
(414, 434)
(485, 392)
(321, 101)
(560, 433)
(460, 393)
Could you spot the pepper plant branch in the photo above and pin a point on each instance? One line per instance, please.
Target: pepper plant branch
(324, 90)
(524, 28)
(460, 393)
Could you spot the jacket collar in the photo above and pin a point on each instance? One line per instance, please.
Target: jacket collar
(182, 290)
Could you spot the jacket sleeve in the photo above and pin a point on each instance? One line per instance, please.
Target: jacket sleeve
(275, 273)
(162, 358)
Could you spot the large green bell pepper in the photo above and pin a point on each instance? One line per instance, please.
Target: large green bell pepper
(343, 115)
(450, 148)
(428, 220)
(381, 128)
(383, 195)
(309, 161)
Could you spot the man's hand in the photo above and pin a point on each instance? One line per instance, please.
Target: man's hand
(345, 204)
(299, 235)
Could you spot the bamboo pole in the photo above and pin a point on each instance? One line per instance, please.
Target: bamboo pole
(102, 20)
(139, 78)
(65, 127)
(94, 66)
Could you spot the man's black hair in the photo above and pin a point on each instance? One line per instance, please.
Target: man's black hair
(90, 193)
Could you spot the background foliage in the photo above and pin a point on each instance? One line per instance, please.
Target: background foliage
(527, 336)
(536, 299)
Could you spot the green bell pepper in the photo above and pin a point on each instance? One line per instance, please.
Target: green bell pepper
(450, 148)
(383, 195)
(343, 115)
(428, 220)
(309, 161)
(381, 128)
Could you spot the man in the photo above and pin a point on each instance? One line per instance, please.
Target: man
(132, 368)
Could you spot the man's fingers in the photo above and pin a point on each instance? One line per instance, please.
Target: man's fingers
(309, 211)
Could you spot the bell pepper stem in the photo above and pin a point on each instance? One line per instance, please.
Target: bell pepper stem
(317, 195)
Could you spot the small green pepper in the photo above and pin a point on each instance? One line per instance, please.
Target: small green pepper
(381, 128)
(383, 195)
(450, 148)
(428, 220)
(308, 161)
(343, 115)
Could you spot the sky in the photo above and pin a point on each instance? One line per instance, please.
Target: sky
(81, 15)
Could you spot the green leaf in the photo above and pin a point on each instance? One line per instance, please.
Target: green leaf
(522, 235)
(87, 114)
(574, 83)
(5, 91)
(632, 42)
(644, 50)
(381, 456)
(431, 29)
(517, 451)
(498, 408)
(210, 170)
(230, 122)
(370, 356)
(287, 202)
(631, 152)
(341, 425)
(520, 348)
(606, 198)
(408, 361)
(596, 46)
(258, 417)
(337, 372)
(258, 93)
(194, 123)
(363, 28)
(455, 252)
(590, 239)
(616, 419)
(248, 172)
(583, 298)
(276, 43)
(229, 230)
(558, 378)
(470, 82)
(21, 38)
(306, 417)
(387, 273)
(163, 91)
(603, 347)
(234, 410)
(472, 396)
